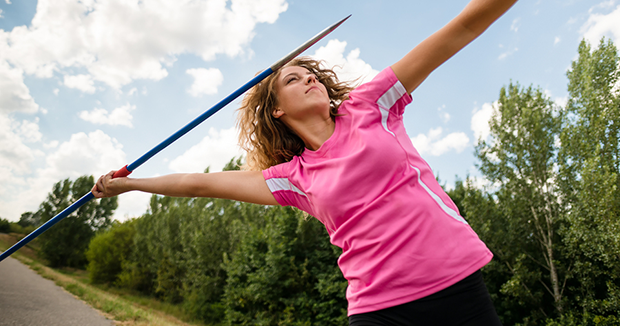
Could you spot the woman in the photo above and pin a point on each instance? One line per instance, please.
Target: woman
(343, 156)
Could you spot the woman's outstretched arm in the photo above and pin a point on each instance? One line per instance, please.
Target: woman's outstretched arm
(477, 16)
(246, 186)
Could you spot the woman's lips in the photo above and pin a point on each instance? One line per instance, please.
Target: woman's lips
(311, 88)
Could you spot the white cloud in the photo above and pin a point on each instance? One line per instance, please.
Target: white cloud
(120, 116)
(8, 2)
(479, 182)
(52, 144)
(349, 68)
(84, 83)
(15, 155)
(433, 144)
(95, 153)
(206, 81)
(444, 116)
(117, 41)
(599, 25)
(507, 53)
(131, 204)
(29, 130)
(84, 154)
(480, 121)
(15, 95)
(556, 40)
(1, 14)
(561, 101)
(515, 25)
(214, 150)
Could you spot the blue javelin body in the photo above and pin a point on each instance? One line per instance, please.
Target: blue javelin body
(130, 167)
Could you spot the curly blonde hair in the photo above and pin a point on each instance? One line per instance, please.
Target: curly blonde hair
(267, 140)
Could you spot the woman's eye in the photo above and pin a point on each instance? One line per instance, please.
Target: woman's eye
(290, 80)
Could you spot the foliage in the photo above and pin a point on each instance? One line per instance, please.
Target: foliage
(589, 166)
(178, 250)
(5, 226)
(520, 160)
(66, 242)
(550, 215)
(285, 273)
(29, 219)
(108, 251)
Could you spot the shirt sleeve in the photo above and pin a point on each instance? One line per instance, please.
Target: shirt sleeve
(284, 190)
(386, 91)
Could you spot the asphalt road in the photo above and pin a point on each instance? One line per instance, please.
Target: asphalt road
(27, 299)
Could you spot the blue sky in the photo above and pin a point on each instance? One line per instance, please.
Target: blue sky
(89, 86)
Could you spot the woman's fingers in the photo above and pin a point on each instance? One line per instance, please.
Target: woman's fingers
(101, 188)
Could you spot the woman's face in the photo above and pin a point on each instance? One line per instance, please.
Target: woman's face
(300, 95)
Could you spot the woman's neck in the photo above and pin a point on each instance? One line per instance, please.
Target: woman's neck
(314, 134)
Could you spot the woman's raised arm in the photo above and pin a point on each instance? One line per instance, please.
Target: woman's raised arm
(246, 186)
(477, 16)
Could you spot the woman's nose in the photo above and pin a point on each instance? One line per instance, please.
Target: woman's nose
(311, 79)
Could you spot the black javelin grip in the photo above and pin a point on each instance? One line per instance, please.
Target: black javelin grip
(127, 169)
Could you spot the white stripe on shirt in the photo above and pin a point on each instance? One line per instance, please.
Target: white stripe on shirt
(280, 184)
(387, 100)
(443, 206)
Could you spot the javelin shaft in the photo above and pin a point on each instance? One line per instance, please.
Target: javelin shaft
(127, 169)
(199, 120)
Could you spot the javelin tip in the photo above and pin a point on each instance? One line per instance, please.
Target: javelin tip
(306, 45)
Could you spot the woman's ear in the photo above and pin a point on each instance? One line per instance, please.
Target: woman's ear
(277, 113)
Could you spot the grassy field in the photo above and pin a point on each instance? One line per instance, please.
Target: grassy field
(116, 304)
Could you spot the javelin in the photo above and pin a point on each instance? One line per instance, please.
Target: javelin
(127, 169)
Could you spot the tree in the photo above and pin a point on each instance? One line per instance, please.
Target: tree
(5, 226)
(178, 249)
(284, 272)
(520, 162)
(29, 219)
(109, 250)
(589, 168)
(65, 243)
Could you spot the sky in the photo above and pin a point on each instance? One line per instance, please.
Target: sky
(88, 86)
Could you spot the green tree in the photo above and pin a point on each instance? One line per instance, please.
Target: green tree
(5, 226)
(178, 250)
(520, 162)
(109, 250)
(29, 219)
(284, 272)
(65, 243)
(589, 167)
(507, 278)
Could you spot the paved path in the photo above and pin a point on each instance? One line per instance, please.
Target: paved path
(30, 300)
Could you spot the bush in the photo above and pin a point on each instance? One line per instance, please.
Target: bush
(284, 273)
(5, 226)
(17, 228)
(108, 251)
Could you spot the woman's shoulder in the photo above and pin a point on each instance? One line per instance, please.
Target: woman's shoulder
(383, 90)
(385, 82)
(281, 170)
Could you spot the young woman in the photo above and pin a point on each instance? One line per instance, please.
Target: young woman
(343, 156)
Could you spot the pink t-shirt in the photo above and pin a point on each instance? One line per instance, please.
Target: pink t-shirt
(401, 235)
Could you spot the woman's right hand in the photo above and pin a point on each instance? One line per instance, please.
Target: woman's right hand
(108, 186)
